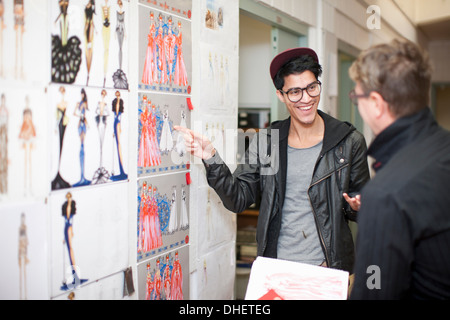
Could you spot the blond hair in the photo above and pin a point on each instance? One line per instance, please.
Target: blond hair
(400, 71)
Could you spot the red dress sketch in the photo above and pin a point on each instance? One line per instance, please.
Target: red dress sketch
(181, 78)
(177, 280)
(157, 283)
(166, 279)
(149, 152)
(149, 75)
(169, 50)
(155, 226)
(150, 284)
(161, 60)
(144, 222)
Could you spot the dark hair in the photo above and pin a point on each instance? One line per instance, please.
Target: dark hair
(297, 66)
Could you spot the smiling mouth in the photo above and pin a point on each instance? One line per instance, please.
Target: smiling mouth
(307, 108)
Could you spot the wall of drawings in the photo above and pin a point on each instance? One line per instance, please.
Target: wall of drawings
(164, 88)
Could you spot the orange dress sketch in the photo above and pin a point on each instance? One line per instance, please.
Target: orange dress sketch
(150, 284)
(157, 282)
(181, 78)
(27, 135)
(177, 280)
(161, 60)
(167, 279)
(149, 152)
(149, 74)
(169, 51)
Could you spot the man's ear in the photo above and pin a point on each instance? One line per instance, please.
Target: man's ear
(381, 107)
(280, 96)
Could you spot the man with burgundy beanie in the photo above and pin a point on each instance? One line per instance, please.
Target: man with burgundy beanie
(315, 160)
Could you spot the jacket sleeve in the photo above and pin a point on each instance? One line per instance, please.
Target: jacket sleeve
(359, 171)
(237, 190)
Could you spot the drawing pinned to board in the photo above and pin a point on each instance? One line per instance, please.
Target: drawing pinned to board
(160, 147)
(27, 135)
(163, 277)
(23, 257)
(165, 52)
(66, 52)
(68, 212)
(19, 27)
(163, 216)
(4, 117)
(2, 27)
(96, 137)
(90, 57)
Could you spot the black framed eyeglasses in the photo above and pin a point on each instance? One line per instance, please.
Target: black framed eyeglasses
(354, 97)
(296, 94)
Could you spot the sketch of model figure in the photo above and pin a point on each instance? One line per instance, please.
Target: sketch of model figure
(167, 279)
(150, 284)
(181, 78)
(173, 220)
(169, 51)
(89, 29)
(2, 27)
(184, 221)
(180, 146)
(68, 212)
(27, 135)
(166, 141)
(101, 175)
(106, 33)
(19, 26)
(62, 122)
(80, 111)
(66, 52)
(23, 258)
(3, 146)
(149, 75)
(176, 290)
(118, 109)
(119, 77)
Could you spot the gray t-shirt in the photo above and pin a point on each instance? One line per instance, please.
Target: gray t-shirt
(299, 240)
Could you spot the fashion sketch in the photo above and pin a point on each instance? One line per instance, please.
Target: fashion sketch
(150, 236)
(66, 52)
(149, 284)
(68, 212)
(23, 258)
(176, 291)
(181, 78)
(119, 77)
(89, 30)
(106, 33)
(2, 27)
(180, 146)
(80, 111)
(169, 50)
(4, 116)
(27, 135)
(167, 270)
(19, 27)
(118, 110)
(166, 140)
(149, 74)
(173, 220)
(62, 121)
(101, 115)
(184, 220)
(149, 152)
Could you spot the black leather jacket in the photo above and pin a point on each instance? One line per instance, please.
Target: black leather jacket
(341, 167)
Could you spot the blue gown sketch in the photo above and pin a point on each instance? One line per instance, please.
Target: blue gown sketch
(118, 109)
(68, 212)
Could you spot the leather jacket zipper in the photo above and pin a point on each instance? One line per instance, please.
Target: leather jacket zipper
(315, 215)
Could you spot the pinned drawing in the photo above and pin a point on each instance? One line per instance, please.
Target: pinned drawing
(23, 258)
(102, 112)
(68, 212)
(4, 116)
(149, 152)
(66, 52)
(2, 27)
(119, 77)
(27, 135)
(19, 27)
(89, 30)
(80, 111)
(118, 109)
(106, 33)
(62, 121)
